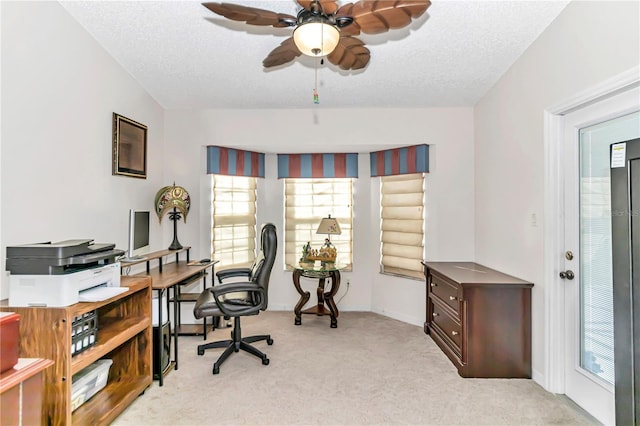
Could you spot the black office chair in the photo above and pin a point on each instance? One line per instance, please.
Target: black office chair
(238, 299)
(246, 273)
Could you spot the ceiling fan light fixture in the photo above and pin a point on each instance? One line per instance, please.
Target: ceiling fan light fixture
(316, 38)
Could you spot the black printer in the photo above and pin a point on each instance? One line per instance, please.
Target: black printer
(63, 257)
(62, 273)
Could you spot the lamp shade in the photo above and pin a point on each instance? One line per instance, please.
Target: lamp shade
(316, 38)
(329, 225)
(170, 197)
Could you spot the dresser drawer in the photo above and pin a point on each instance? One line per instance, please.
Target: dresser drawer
(446, 291)
(448, 327)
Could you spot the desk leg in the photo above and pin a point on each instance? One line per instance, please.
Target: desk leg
(204, 287)
(328, 297)
(160, 357)
(176, 309)
(304, 297)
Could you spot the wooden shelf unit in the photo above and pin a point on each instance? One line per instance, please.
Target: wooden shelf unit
(124, 336)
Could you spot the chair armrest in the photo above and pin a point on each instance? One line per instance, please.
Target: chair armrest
(238, 287)
(234, 272)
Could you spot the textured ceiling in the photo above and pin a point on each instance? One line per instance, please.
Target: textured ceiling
(187, 57)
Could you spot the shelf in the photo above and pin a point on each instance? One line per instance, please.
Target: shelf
(317, 310)
(111, 334)
(187, 297)
(192, 329)
(153, 256)
(23, 370)
(110, 401)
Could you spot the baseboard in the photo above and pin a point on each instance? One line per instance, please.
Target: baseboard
(538, 377)
(351, 308)
(399, 316)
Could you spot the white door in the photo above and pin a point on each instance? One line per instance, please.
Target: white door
(587, 273)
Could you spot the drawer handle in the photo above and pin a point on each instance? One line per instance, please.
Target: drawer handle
(433, 284)
(455, 333)
(452, 298)
(435, 314)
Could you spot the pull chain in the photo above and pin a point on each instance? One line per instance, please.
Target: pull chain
(316, 100)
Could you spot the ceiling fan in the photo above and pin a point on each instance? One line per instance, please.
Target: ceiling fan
(322, 28)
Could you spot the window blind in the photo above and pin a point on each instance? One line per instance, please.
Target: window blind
(307, 201)
(233, 235)
(402, 224)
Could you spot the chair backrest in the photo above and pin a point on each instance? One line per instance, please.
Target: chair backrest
(261, 270)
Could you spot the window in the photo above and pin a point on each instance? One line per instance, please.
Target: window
(402, 224)
(233, 210)
(307, 201)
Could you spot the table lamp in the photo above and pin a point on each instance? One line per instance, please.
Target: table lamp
(329, 226)
(177, 201)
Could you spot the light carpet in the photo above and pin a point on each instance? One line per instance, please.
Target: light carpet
(371, 370)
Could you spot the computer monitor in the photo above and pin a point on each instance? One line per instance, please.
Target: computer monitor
(138, 235)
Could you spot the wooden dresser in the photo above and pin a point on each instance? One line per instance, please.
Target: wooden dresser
(480, 318)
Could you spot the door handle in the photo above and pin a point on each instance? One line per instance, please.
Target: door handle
(568, 274)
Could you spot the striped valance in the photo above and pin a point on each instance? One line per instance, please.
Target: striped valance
(318, 165)
(234, 162)
(400, 161)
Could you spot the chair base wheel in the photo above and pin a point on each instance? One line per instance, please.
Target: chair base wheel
(235, 345)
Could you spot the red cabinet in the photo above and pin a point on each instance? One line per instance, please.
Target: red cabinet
(21, 392)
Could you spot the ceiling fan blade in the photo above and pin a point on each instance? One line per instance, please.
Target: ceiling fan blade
(328, 6)
(378, 16)
(251, 15)
(350, 54)
(352, 29)
(286, 52)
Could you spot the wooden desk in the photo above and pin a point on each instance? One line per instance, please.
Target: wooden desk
(321, 273)
(21, 392)
(171, 276)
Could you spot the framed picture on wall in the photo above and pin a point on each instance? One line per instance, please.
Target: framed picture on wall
(129, 147)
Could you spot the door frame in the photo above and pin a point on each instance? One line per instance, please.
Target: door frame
(553, 244)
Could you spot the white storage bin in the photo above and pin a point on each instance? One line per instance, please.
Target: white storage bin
(89, 381)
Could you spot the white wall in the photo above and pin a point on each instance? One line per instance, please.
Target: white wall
(449, 131)
(588, 43)
(59, 90)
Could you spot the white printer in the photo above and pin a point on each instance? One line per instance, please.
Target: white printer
(57, 275)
